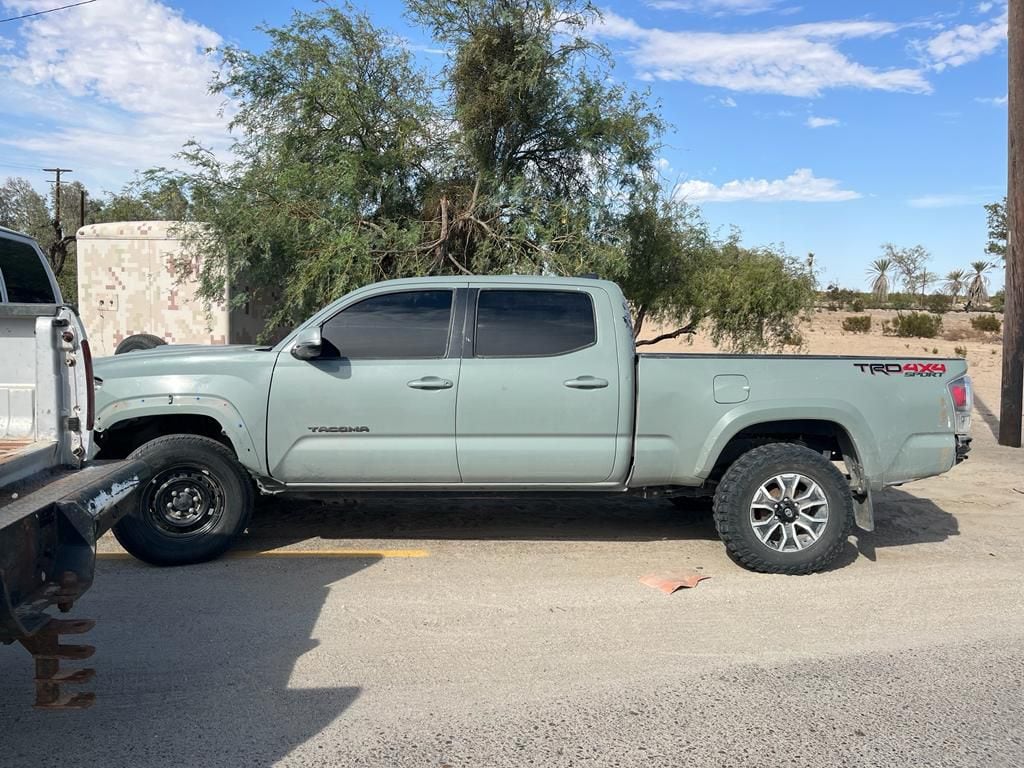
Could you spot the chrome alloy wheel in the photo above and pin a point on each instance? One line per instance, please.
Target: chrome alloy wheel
(184, 500)
(789, 512)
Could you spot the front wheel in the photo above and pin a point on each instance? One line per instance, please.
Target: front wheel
(197, 503)
(783, 508)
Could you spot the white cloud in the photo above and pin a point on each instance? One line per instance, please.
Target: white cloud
(965, 43)
(800, 186)
(131, 76)
(985, 7)
(715, 7)
(944, 201)
(821, 122)
(995, 101)
(801, 60)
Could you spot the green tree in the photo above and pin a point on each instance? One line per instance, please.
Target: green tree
(523, 155)
(995, 213)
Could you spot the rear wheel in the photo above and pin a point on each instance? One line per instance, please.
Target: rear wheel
(197, 503)
(783, 508)
(138, 341)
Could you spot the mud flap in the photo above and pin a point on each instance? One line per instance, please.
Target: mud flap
(864, 511)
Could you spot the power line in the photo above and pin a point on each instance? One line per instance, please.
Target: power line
(51, 10)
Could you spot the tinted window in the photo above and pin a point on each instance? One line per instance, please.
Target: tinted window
(24, 274)
(413, 324)
(533, 323)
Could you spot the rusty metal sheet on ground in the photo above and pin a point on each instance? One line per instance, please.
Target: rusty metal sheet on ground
(672, 581)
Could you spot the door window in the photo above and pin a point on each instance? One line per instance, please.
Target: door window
(392, 326)
(533, 323)
(24, 274)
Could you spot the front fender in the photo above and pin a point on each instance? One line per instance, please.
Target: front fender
(218, 408)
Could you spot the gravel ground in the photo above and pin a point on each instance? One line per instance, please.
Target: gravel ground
(525, 638)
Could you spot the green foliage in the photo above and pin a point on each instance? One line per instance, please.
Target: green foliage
(986, 323)
(998, 300)
(857, 305)
(352, 164)
(917, 324)
(938, 303)
(960, 351)
(995, 214)
(857, 324)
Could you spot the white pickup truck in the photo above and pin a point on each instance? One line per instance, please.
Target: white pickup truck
(52, 506)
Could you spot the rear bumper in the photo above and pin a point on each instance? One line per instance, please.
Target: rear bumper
(48, 541)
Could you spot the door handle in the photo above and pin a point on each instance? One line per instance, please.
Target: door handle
(430, 382)
(586, 382)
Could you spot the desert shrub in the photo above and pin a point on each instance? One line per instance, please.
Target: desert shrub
(857, 323)
(998, 301)
(938, 303)
(960, 351)
(792, 339)
(901, 300)
(986, 323)
(919, 325)
(857, 305)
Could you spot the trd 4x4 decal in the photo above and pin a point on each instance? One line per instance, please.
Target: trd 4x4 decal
(902, 369)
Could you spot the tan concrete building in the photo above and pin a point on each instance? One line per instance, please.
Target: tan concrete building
(128, 290)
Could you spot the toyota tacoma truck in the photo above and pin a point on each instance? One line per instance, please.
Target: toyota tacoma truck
(52, 506)
(520, 384)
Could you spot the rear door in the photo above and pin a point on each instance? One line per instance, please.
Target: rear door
(538, 397)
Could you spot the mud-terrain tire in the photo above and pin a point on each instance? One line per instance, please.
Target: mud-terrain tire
(138, 341)
(783, 508)
(197, 503)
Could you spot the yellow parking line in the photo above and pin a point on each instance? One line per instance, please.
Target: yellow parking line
(298, 553)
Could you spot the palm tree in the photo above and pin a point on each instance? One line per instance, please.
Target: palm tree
(977, 292)
(879, 272)
(955, 283)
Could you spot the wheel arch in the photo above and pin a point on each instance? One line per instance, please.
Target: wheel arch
(843, 441)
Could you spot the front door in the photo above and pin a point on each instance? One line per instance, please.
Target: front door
(539, 388)
(378, 406)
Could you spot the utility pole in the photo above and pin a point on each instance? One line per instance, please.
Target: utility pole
(58, 250)
(1013, 319)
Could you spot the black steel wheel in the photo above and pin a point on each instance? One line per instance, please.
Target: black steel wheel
(197, 503)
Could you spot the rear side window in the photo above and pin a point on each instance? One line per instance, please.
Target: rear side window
(533, 323)
(24, 274)
(393, 326)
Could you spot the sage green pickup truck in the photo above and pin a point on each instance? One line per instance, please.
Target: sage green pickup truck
(520, 385)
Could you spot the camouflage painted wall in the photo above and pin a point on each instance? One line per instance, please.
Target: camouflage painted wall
(127, 285)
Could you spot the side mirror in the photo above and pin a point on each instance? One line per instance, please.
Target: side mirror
(307, 345)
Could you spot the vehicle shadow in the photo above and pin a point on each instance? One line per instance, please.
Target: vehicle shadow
(282, 521)
(900, 519)
(194, 668)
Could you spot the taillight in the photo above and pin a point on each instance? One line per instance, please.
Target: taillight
(90, 387)
(963, 401)
(958, 390)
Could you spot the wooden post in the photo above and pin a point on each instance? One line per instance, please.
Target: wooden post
(1013, 319)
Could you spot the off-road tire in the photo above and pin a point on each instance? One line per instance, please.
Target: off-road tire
(147, 536)
(736, 492)
(138, 341)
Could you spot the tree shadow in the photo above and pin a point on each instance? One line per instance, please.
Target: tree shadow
(596, 517)
(193, 668)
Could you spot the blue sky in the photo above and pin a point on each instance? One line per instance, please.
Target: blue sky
(830, 127)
